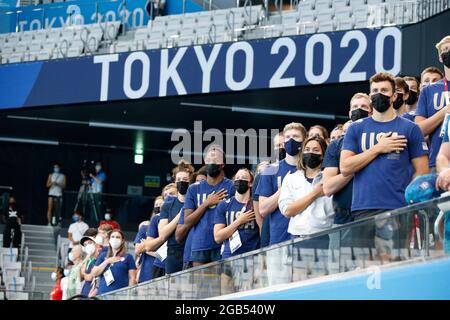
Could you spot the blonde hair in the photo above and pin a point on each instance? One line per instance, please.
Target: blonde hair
(296, 126)
(440, 43)
(360, 95)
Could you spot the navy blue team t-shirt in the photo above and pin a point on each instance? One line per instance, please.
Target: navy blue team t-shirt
(119, 270)
(147, 261)
(169, 210)
(382, 183)
(411, 115)
(153, 232)
(431, 100)
(203, 231)
(188, 242)
(227, 211)
(271, 179)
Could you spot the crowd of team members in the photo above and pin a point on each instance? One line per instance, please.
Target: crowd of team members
(364, 167)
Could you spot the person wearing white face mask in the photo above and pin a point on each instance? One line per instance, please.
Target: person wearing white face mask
(116, 268)
(56, 182)
(74, 277)
(57, 276)
(109, 220)
(92, 251)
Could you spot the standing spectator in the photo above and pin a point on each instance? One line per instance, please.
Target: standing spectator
(97, 186)
(169, 190)
(255, 201)
(76, 229)
(102, 237)
(318, 130)
(336, 133)
(278, 146)
(159, 267)
(430, 75)
(74, 278)
(144, 259)
(109, 220)
(200, 205)
(271, 179)
(57, 293)
(92, 251)
(433, 105)
(56, 182)
(379, 152)
(411, 103)
(334, 183)
(116, 268)
(199, 175)
(12, 223)
(235, 218)
(170, 214)
(402, 90)
(302, 199)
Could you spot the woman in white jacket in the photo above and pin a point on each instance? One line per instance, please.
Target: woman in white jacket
(302, 198)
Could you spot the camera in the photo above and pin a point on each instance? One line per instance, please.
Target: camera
(87, 168)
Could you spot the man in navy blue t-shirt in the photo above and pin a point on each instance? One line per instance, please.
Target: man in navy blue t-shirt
(334, 183)
(272, 177)
(379, 151)
(200, 204)
(433, 104)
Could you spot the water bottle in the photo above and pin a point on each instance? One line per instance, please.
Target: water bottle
(444, 125)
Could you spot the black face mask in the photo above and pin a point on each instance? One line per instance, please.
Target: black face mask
(241, 186)
(213, 170)
(446, 58)
(156, 210)
(281, 154)
(312, 160)
(182, 187)
(412, 98)
(380, 102)
(358, 114)
(399, 101)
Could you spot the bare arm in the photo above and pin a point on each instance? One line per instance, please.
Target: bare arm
(351, 162)
(162, 223)
(49, 181)
(223, 232)
(169, 228)
(258, 217)
(98, 270)
(181, 231)
(132, 277)
(428, 125)
(267, 205)
(333, 181)
(299, 205)
(420, 165)
(193, 216)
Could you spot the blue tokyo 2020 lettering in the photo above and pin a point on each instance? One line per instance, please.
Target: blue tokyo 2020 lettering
(234, 66)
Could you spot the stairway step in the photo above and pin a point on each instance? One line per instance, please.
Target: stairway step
(41, 258)
(38, 252)
(29, 239)
(46, 265)
(31, 227)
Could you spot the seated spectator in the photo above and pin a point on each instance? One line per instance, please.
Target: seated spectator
(116, 268)
(74, 278)
(76, 229)
(234, 221)
(109, 220)
(302, 198)
(92, 251)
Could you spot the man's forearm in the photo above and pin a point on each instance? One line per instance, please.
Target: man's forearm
(267, 205)
(334, 184)
(428, 125)
(195, 216)
(355, 163)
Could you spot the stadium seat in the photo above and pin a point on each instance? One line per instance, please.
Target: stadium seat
(290, 18)
(340, 3)
(141, 35)
(153, 44)
(342, 13)
(357, 3)
(306, 5)
(290, 29)
(186, 40)
(322, 5)
(374, 2)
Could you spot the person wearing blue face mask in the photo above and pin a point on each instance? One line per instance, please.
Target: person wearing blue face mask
(56, 182)
(76, 229)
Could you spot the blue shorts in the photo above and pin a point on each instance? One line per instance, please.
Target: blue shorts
(206, 256)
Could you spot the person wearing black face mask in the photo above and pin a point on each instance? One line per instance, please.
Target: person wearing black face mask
(377, 149)
(402, 90)
(12, 222)
(170, 214)
(200, 205)
(334, 183)
(268, 190)
(434, 103)
(302, 198)
(236, 217)
(411, 102)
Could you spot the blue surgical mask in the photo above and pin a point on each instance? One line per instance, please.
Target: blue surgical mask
(56, 169)
(75, 218)
(292, 147)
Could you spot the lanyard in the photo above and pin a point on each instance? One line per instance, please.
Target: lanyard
(447, 94)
